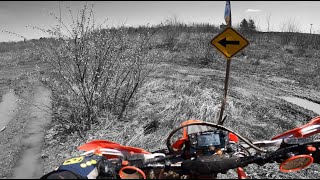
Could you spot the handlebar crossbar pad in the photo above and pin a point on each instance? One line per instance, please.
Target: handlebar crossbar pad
(211, 164)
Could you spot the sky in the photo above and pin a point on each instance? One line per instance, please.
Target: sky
(19, 17)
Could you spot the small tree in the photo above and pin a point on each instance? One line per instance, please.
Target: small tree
(251, 26)
(248, 27)
(244, 26)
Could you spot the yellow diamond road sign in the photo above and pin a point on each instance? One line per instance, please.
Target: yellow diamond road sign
(229, 42)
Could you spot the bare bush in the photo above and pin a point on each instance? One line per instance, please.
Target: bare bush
(96, 70)
(289, 25)
(171, 29)
(268, 21)
(292, 34)
(289, 28)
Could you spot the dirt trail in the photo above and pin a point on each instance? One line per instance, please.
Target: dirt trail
(30, 164)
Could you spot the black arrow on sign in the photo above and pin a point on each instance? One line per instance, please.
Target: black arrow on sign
(224, 42)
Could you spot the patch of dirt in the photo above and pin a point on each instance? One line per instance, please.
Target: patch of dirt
(24, 85)
(30, 164)
(10, 138)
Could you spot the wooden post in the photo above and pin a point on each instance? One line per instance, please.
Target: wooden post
(224, 100)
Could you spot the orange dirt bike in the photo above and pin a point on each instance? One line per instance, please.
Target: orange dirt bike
(206, 149)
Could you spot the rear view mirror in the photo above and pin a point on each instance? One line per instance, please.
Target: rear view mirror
(131, 172)
(296, 163)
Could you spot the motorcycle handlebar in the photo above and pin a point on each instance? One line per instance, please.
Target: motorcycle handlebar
(221, 164)
(214, 164)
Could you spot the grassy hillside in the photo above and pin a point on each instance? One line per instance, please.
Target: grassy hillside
(186, 82)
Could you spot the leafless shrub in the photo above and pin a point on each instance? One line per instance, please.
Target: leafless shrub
(95, 70)
(171, 30)
(268, 21)
(288, 28)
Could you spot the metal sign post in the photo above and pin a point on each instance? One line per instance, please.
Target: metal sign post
(228, 42)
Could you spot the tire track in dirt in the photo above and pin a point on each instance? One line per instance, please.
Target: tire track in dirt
(306, 104)
(30, 164)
